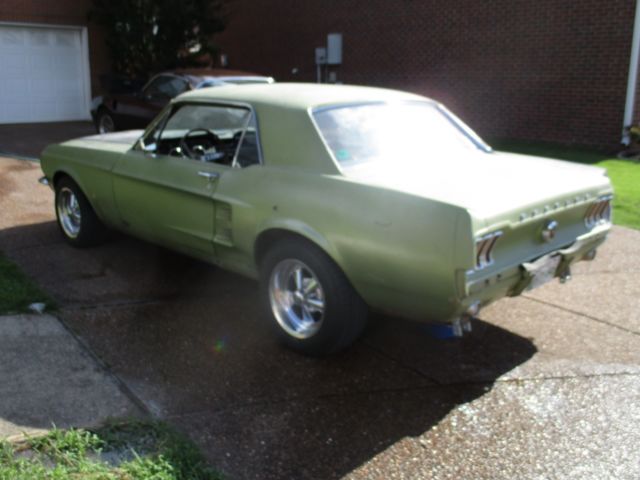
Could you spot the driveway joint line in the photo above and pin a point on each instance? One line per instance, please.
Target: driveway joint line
(328, 396)
(28, 247)
(124, 388)
(115, 304)
(581, 314)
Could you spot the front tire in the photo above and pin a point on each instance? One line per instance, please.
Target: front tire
(78, 223)
(308, 299)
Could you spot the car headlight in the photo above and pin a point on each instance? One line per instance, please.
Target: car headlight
(599, 212)
(484, 249)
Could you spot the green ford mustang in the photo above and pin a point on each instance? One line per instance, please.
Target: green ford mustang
(339, 199)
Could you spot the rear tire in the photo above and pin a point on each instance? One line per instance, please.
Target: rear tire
(79, 224)
(105, 122)
(308, 299)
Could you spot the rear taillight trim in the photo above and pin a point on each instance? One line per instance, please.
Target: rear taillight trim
(484, 249)
(599, 212)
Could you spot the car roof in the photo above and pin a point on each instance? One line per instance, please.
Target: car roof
(297, 95)
(288, 137)
(195, 76)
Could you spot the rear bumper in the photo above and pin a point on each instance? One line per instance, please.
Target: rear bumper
(514, 280)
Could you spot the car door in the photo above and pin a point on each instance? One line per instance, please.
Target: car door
(164, 187)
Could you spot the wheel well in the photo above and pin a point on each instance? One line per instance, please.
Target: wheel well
(59, 176)
(103, 108)
(267, 239)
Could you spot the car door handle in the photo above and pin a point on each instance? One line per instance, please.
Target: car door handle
(209, 175)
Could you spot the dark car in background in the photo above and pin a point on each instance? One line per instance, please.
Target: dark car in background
(133, 110)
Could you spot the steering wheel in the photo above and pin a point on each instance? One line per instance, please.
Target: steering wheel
(192, 152)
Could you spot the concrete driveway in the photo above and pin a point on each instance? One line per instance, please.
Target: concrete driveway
(27, 140)
(546, 386)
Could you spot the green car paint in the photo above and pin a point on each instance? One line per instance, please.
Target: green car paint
(406, 242)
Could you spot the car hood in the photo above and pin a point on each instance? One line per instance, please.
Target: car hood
(128, 137)
(492, 186)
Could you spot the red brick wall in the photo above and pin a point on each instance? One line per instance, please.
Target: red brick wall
(62, 12)
(551, 70)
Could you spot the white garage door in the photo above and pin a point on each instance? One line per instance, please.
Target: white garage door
(43, 74)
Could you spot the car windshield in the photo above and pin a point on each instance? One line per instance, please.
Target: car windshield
(393, 133)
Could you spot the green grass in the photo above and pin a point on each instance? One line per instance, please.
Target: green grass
(17, 291)
(624, 174)
(128, 451)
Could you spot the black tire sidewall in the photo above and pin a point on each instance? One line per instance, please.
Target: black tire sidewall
(345, 312)
(91, 229)
(101, 114)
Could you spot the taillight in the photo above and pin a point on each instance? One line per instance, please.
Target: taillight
(599, 212)
(484, 249)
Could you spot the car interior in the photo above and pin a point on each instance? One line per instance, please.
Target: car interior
(223, 135)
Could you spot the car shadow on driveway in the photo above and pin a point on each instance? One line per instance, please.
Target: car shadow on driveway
(189, 340)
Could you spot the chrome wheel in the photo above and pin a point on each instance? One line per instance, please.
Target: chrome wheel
(297, 298)
(69, 212)
(105, 124)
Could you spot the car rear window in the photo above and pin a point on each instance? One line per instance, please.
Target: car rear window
(393, 132)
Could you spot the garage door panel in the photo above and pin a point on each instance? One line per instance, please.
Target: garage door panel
(43, 75)
(15, 112)
(14, 65)
(12, 37)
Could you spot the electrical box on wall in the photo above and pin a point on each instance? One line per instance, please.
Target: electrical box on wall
(321, 56)
(334, 48)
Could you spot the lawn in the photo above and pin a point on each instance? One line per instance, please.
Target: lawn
(624, 174)
(17, 291)
(127, 451)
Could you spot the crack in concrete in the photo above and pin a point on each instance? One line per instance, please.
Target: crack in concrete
(606, 272)
(115, 304)
(581, 314)
(381, 353)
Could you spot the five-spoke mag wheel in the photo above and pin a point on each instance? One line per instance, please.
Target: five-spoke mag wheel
(312, 305)
(69, 214)
(297, 298)
(78, 223)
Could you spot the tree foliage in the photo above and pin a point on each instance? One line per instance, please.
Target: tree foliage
(146, 36)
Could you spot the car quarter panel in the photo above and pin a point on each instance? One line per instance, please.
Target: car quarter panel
(398, 250)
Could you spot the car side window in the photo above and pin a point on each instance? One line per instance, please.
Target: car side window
(209, 133)
(249, 149)
(165, 86)
(149, 142)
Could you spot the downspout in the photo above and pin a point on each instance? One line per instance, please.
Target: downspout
(633, 80)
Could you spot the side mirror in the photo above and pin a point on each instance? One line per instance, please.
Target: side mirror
(150, 149)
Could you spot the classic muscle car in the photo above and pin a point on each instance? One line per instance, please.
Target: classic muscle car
(121, 111)
(339, 199)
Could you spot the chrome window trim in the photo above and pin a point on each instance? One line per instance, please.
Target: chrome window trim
(166, 113)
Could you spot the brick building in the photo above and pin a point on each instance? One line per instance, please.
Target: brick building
(551, 70)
